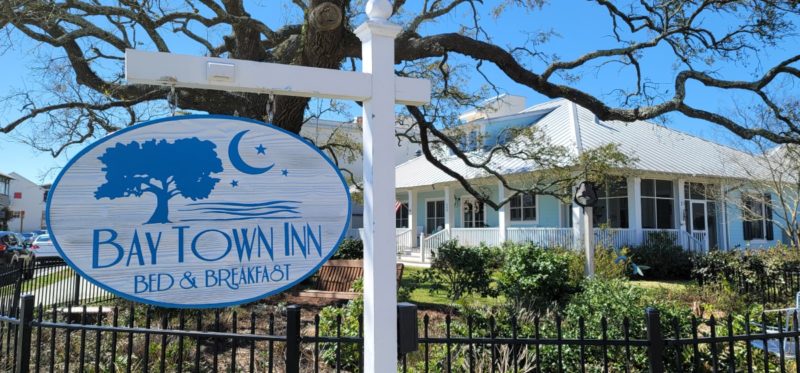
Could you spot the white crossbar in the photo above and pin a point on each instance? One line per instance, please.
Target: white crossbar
(167, 69)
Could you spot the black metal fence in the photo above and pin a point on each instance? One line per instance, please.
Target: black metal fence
(777, 286)
(138, 339)
(52, 281)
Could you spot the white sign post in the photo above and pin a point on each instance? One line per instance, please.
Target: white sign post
(380, 90)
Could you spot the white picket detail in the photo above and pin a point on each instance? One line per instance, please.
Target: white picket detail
(405, 240)
(476, 236)
(432, 242)
(616, 237)
(548, 237)
(650, 236)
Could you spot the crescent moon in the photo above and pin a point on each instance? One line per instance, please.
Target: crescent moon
(238, 162)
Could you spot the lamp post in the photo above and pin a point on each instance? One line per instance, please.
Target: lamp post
(586, 197)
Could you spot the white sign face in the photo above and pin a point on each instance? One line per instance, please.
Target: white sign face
(198, 211)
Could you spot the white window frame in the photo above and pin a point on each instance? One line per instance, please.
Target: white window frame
(674, 199)
(461, 211)
(408, 210)
(426, 213)
(522, 215)
(763, 220)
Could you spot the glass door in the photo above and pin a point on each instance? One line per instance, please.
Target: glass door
(434, 216)
(472, 213)
(698, 217)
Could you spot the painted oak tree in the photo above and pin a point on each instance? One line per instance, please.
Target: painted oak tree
(164, 169)
(85, 95)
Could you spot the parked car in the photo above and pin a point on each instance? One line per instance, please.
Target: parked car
(12, 253)
(28, 237)
(43, 248)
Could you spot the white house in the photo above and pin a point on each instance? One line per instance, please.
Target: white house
(27, 203)
(341, 136)
(679, 187)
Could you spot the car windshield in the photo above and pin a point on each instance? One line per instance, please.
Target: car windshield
(43, 239)
(9, 239)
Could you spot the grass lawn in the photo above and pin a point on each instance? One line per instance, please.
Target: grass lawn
(663, 285)
(422, 295)
(49, 279)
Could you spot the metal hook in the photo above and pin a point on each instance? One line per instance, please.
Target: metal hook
(270, 108)
(172, 100)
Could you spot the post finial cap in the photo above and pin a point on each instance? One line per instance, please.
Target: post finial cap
(379, 10)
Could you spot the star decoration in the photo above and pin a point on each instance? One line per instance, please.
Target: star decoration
(285, 172)
(234, 183)
(261, 149)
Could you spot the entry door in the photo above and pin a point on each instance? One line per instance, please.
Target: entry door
(434, 216)
(698, 217)
(472, 213)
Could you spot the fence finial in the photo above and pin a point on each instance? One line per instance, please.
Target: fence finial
(379, 10)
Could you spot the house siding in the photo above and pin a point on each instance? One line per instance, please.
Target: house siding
(736, 231)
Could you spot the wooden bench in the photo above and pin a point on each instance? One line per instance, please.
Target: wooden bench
(335, 279)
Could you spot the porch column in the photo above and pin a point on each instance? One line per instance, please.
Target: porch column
(578, 223)
(412, 221)
(448, 213)
(635, 207)
(680, 213)
(723, 206)
(502, 213)
(681, 204)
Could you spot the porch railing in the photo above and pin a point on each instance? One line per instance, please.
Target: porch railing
(560, 237)
(431, 243)
(549, 237)
(476, 236)
(405, 240)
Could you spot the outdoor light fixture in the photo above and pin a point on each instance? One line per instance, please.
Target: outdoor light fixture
(585, 196)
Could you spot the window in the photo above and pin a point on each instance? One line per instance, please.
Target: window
(658, 204)
(566, 215)
(434, 216)
(700, 191)
(4, 184)
(612, 204)
(401, 216)
(472, 213)
(17, 195)
(469, 142)
(523, 207)
(757, 217)
(44, 196)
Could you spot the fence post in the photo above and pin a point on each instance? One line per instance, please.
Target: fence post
(655, 340)
(17, 290)
(24, 346)
(76, 292)
(293, 339)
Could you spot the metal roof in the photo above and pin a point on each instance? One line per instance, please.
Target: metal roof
(656, 148)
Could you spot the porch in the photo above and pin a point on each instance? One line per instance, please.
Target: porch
(631, 211)
(420, 249)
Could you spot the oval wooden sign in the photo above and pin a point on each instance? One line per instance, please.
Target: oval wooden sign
(198, 211)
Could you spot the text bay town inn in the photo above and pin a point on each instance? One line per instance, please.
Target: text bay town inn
(679, 185)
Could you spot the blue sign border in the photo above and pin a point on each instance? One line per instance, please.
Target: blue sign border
(210, 305)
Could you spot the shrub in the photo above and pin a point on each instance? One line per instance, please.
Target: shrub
(349, 316)
(350, 248)
(616, 300)
(460, 270)
(532, 276)
(664, 260)
(610, 264)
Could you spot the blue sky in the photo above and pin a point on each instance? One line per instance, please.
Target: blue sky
(580, 27)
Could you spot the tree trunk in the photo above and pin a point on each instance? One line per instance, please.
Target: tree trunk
(161, 214)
